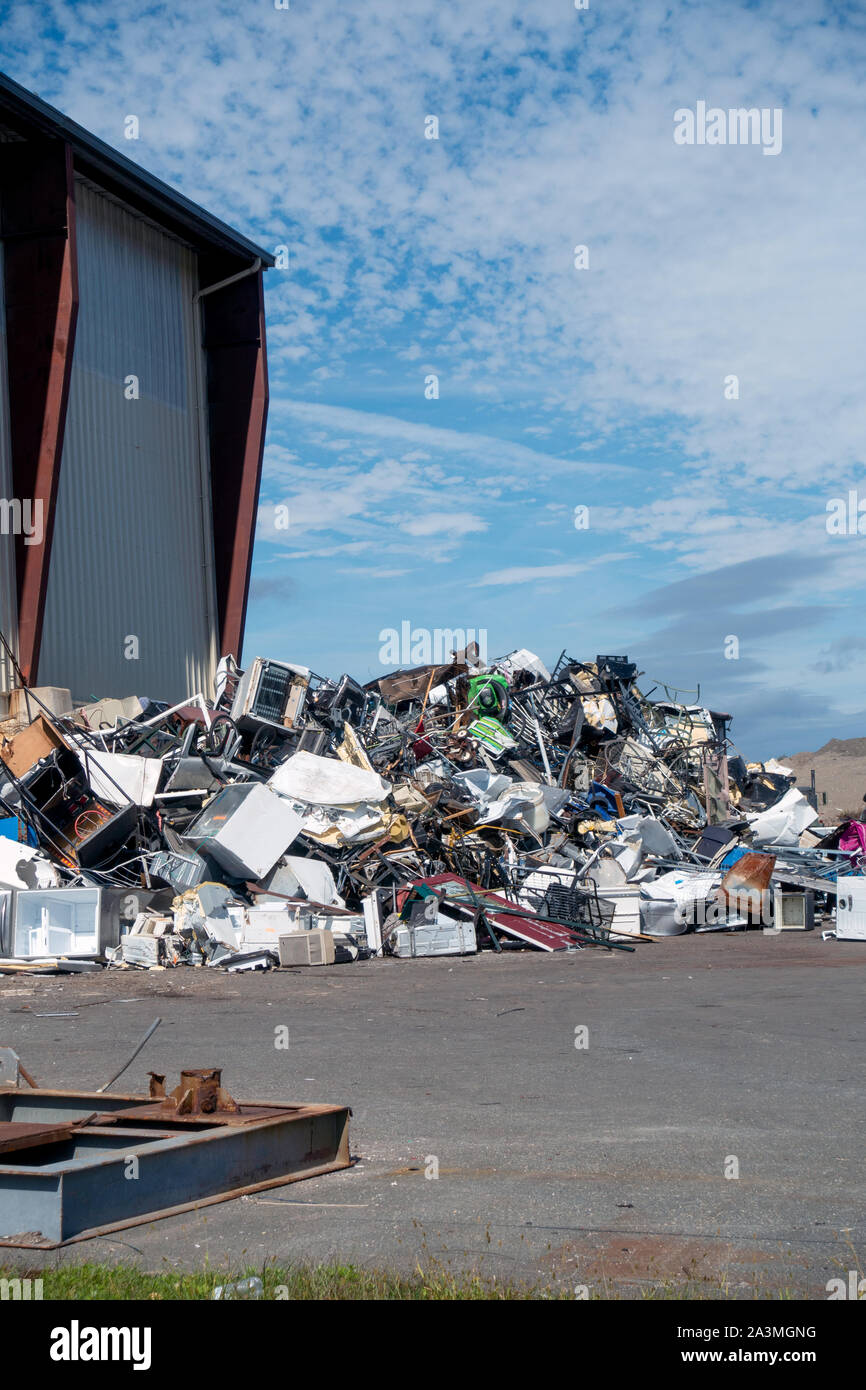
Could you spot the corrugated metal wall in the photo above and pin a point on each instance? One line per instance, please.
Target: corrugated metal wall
(8, 595)
(131, 557)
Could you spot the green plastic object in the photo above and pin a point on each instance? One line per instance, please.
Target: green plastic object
(488, 694)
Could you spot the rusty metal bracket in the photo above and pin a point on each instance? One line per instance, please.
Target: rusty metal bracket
(199, 1093)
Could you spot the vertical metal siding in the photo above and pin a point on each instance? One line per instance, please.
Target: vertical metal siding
(8, 589)
(130, 554)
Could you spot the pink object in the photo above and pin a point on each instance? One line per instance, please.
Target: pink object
(853, 840)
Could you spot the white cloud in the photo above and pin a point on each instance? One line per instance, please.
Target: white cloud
(444, 523)
(528, 574)
(500, 455)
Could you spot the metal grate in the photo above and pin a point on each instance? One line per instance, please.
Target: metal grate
(577, 904)
(271, 696)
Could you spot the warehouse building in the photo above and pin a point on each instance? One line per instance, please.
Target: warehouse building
(133, 401)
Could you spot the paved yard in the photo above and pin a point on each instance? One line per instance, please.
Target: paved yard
(602, 1165)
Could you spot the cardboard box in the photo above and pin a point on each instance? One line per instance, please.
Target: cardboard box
(33, 743)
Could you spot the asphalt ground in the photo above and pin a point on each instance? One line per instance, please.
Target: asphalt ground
(602, 1158)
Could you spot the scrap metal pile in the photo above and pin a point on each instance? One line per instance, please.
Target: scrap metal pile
(299, 820)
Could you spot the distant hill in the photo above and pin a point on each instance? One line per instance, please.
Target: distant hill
(848, 747)
(840, 773)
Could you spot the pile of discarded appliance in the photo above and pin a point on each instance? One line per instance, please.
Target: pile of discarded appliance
(298, 820)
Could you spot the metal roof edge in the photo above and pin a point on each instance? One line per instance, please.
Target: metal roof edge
(125, 172)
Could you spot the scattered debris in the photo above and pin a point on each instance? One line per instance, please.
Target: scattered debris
(443, 810)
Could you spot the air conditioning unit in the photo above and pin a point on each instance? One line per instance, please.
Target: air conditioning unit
(271, 693)
(307, 948)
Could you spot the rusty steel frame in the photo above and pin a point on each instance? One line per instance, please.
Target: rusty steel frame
(237, 409)
(41, 294)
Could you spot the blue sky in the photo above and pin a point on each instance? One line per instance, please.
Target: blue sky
(558, 387)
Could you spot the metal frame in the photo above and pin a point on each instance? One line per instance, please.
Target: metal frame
(237, 406)
(184, 1161)
(41, 293)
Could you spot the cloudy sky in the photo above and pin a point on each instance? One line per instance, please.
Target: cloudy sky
(606, 386)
